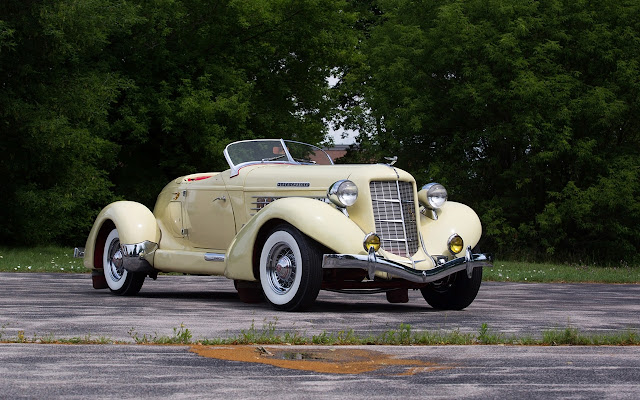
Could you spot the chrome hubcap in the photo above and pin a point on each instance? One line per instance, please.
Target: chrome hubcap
(116, 266)
(284, 268)
(281, 268)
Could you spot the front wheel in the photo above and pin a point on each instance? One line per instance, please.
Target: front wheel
(454, 292)
(290, 269)
(119, 280)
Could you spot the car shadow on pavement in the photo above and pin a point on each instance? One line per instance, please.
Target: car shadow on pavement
(368, 307)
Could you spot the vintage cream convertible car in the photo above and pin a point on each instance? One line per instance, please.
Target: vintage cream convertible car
(284, 222)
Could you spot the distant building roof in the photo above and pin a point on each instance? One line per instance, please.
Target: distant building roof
(337, 151)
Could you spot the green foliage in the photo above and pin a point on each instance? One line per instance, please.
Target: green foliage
(181, 335)
(110, 99)
(569, 335)
(54, 106)
(527, 111)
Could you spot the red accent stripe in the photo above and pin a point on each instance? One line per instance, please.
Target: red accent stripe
(199, 178)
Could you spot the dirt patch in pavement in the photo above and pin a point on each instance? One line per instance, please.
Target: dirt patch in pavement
(332, 360)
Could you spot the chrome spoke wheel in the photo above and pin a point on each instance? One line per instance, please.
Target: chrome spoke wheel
(281, 268)
(114, 256)
(119, 280)
(290, 269)
(112, 262)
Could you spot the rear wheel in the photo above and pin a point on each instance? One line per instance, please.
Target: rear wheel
(454, 292)
(290, 269)
(119, 280)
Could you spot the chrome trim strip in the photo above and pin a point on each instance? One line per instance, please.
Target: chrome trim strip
(263, 201)
(135, 256)
(424, 248)
(372, 264)
(404, 226)
(217, 257)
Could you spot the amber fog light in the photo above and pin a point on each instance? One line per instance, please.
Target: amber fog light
(371, 241)
(455, 243)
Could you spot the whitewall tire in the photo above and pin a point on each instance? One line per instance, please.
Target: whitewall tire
(119, 280)
(290, 269)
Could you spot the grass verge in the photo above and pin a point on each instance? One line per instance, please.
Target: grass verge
(509, 271)
(403, 335)
(39, 259)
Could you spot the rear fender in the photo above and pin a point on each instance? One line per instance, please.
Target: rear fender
(135, 224)
(320, 221)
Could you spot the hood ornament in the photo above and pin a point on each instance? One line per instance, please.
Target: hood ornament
(391, 160)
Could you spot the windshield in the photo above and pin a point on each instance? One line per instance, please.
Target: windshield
(239, 154)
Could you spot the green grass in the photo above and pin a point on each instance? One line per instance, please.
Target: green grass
(39, 259)
(404, 335)
(60, 259)
(509, 271)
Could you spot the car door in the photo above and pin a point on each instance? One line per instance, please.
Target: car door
(210, 222)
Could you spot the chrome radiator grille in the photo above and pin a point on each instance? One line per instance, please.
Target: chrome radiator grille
(395, 216)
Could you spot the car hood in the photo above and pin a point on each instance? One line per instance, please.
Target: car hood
(316, 177)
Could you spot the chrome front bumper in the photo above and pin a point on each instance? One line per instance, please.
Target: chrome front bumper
(372, 264)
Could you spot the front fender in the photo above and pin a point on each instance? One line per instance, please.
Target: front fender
(135, 224)
(316, 219)
(452, 218)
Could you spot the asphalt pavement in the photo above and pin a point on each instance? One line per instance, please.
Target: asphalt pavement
(66, 306)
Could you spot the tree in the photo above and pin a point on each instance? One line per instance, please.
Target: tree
(528, 111)
(104, 99)
(54, 104)
(205, 75)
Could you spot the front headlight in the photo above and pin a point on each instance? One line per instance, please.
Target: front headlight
(343, 193)
(432, 195)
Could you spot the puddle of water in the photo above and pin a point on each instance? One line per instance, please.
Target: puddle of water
(300, 356)
(329, 360)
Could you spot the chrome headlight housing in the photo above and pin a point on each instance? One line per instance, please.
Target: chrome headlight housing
(371, 241)
(343, 193)
(432, 195)
(455, 244)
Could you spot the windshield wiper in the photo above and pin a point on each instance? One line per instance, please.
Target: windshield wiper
(306, 161)
(274, 158)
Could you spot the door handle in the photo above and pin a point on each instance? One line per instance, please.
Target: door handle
(223, 198)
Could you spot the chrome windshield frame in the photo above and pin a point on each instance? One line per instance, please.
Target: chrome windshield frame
(235, 168)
